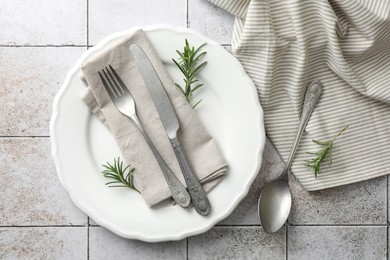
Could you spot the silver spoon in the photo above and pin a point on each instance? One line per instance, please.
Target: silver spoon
(275, 198)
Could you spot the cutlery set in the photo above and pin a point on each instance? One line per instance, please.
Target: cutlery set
(272, 213)
(125, 103)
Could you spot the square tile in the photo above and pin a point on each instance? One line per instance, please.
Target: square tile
(246, 212)
(43, 243)
(43, 22)
(210, 20)
(358, 203)
(31, 193)
(237, 243)
(337, 243)
(106, 245)
(30, 77)
(107, 17)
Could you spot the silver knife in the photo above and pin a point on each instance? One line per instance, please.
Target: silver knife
(171, 125)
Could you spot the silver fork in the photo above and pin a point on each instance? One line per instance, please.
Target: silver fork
(123, 100)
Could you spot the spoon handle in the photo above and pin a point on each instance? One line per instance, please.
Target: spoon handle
(312, 96)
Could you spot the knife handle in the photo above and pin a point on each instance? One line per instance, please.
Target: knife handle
(178, 191)
(198, 195)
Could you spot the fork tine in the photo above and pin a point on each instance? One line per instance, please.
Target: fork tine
(121, 83)
(112, 83)
(107, 87)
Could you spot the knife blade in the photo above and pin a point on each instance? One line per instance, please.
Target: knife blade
(171, 125)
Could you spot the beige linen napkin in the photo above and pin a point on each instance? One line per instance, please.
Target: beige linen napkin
(284, 45)
(200, 147)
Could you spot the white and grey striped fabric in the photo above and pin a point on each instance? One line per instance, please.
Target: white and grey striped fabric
(345, 44)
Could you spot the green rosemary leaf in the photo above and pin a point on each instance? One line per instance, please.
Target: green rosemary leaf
(195, 71)
(321, 142)
(121, 177)
(196, 87)
(197, 103)
(181, 90)
(324, 154)
(330, 155)
(200, 48)
(111, 182)
(200, 56)
(180, 54)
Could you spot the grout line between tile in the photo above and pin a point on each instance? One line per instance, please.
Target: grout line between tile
(87, 23)
(286, 249)
(43, 46)
(88, 225)
(187, 248)
(387, 240)
(241, 225)
(24, 136)
(43, 226)
(308, 225)
(187, 16)
(338, 225)
(217, 226)
(387, 216)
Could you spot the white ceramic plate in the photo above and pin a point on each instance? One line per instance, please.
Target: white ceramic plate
(230, 111)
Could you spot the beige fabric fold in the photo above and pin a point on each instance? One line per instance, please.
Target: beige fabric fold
(284, 45)
(200, 147)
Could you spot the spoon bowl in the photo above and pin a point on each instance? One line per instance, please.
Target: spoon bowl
(274, 205)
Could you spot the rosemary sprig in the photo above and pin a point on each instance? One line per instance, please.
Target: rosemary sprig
(323, 154)
(118, 174)
(188, 65)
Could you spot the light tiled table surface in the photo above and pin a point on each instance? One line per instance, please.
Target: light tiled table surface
(39, 42)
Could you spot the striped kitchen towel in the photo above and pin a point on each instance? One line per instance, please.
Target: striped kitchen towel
(284, 45)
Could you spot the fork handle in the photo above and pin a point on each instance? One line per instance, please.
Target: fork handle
(178, 191)
(198, 195)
